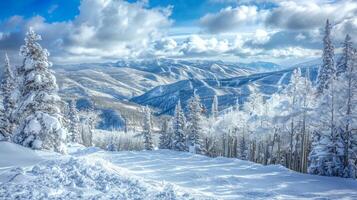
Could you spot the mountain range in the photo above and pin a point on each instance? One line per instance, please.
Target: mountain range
(120, 89)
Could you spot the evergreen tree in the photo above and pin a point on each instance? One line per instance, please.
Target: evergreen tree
(327, 69)
(73, 129)
(147, 130)
(179, 126)
(40, 120)
(326, 157)
(347, 109)
(4, 133)
(195, 125)
(165, 136)
(214, 108)
(346, 58)
(8, 85)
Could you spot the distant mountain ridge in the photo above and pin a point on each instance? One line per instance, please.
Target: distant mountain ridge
(228, 91)
(126, 85)
(110, 86)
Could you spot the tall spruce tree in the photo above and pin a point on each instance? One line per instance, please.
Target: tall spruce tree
(327, 69)
(195, 125)
(40, 120)
(347, 108)
(73, 129)
(147, 130)
(8, 85)
(326, 156)
(179, 128)
(345, 61)
(165, 136)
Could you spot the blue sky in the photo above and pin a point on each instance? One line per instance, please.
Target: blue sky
(282, 31)
(184, 11)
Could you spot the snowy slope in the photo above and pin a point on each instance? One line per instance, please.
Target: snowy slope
(228, 90)
(69, 177)
(125, 79)
(90, 173)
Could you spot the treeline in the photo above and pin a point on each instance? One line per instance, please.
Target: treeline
(307, 127)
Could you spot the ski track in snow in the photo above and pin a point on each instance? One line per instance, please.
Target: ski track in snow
(282, 79)
(91, 173)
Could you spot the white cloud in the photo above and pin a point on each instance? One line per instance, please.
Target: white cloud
(260, 37)
(293, 52)
(347, 26)
(165, 44)
(230, 19)
(198, 46)
(104, 29)
(298, 15)
(113, 29)
(220, 48)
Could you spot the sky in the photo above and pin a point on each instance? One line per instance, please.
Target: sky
(81, 31)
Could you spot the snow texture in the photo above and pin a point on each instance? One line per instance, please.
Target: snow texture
(91, 173)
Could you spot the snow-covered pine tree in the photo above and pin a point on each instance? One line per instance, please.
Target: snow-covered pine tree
(4, 133)
(73, 129)
(147, 130)
(195, 125)
(347, 108)
(40, 120)
(353, 134)
(327, 69)
(165, 136)
(346, 57)
(179, 128)
(214, 107)
(8, 85)
(326, 156)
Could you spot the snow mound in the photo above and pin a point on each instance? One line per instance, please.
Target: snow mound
(78, 178)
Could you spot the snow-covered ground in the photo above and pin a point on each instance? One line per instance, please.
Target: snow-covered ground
(91, 173)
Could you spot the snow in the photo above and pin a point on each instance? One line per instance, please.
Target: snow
(12, 155)
(34, 126)
(92, 173)
(226, 178)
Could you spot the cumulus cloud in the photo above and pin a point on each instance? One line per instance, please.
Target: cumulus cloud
(346, 26)
(165, 44)
(229, 19)
(303, 15)
(284, 39)
(196, 46)
(104, 29)
(113, 29)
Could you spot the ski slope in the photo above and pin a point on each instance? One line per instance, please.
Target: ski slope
(91, 173)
